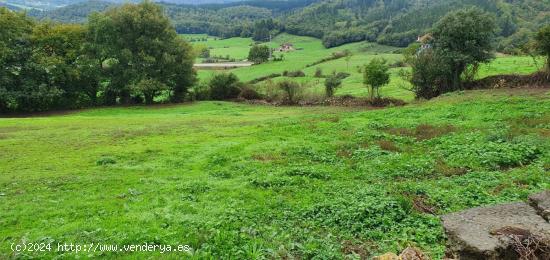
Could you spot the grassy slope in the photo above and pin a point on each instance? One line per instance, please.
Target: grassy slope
(247, 181)
(236, 48)
(363, 52)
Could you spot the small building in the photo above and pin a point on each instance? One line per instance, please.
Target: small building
(425, 41)
(286, 47)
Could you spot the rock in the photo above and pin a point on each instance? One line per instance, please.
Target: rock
(541, 202)
(470, 233)
(388, 256)
(412, 253)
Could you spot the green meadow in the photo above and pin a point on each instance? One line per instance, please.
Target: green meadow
(239, 181)
(250, 182)
(310, 50)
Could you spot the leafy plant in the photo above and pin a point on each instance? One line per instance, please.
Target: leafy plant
(375, 76)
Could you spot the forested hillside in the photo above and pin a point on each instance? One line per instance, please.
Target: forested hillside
(391, 22)
(398, 22)
(52, 4)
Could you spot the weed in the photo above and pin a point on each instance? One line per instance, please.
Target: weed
(105, 161)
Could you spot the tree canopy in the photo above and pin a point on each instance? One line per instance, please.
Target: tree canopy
(259, 54)
(375, 76)
(464, 38)
(128, 54)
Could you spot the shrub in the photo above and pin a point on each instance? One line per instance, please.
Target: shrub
(224, 86)
(342, 75)
(199, 92)
(331, 84)
(428, 75)
(249, 94)
(272, 91)
(294, 74)
(260, 79)
(375, 76)
(318, 72)
(105, 161)
(291, 90)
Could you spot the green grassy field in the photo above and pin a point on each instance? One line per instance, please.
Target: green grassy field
(239, 181)
(236, 48)
(312, 50)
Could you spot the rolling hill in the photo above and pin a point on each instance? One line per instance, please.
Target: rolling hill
(390, 22)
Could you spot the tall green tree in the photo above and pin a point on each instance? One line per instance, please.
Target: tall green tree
(464, 38)
(138, 42)
(23, 79)
(259, 54)
(57, 49)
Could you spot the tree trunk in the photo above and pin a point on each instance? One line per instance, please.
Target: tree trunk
(149, 98)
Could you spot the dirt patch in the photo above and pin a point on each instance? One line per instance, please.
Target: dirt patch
(443, 168)
(420, 204)
(535, 80)
(265, 157)
(527, 125)
(422, 132)
(348, 248)
(388, 146)
(343, 101)
(74, 111)
(533, 122)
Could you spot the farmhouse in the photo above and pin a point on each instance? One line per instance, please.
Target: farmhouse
(425, 41)
(286, 47)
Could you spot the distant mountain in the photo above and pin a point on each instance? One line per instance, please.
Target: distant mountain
(11, 7)
(53, 4)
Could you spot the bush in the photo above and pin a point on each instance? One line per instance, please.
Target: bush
(294, 74)
(291, 90)
(318, 72)
(428, 75)
(249, 94)
(224, 86)
(105, 161)
(199, 92)
(259, 54)
(342, 75)
(260, 79)
(331, 84)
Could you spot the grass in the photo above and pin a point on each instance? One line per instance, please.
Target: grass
(312, 50)
(511, 65)
(236, 48)
(241, 181)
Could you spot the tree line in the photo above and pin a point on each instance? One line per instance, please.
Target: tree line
(130, 54)
(389, 22)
